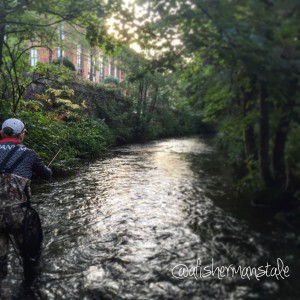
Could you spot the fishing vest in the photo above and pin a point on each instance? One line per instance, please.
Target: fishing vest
(14, 189)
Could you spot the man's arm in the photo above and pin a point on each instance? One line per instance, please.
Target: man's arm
(40, 169)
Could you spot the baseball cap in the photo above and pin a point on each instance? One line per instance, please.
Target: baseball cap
(16, 125)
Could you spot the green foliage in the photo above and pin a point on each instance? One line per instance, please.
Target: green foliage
(65, 92)
(64, 111)
(45, 135)
(50, 73)
(14, 65)
(155, 96)
(27, 25)
(111, 80)
(249, 182)
(67, 104)
(293, 153)
(240, 68)
(31, 105)
(65, 62)
(86, 138)
(230, 139)
(89, 137)
(97, 35)
(106, 103)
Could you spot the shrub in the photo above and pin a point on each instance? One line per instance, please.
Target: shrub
(111, 80)
(87, 138)
(66, 62)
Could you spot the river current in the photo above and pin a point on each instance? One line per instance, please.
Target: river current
(128, 226)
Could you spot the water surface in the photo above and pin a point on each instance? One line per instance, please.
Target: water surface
(118, 228)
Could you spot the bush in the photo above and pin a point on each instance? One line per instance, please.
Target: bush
(89, 137)
(46, 135)
(111, 80)
(66, 62)
(106, 103)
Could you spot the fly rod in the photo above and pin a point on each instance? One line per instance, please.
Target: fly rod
(54, 157)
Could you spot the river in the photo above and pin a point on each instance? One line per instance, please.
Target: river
(120, 227)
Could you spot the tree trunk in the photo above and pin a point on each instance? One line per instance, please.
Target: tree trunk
(139, 110)
(248, 100)
(2, 37)
(154, 100)
(145, 97)
(282, 131)
(263, 154)
(91, 68)
(50, 55)
(279, 166)
(249, 141)
(140, 101)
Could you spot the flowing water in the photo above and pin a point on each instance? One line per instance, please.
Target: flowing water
(119, 228)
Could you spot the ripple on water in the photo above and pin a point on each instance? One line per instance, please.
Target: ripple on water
(118, 228)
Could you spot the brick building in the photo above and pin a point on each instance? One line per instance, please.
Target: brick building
(91, 63)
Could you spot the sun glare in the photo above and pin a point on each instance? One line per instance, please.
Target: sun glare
(126, 28)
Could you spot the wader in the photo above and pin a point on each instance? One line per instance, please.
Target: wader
(19, 222)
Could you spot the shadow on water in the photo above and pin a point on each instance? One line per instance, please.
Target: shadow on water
(119, 227)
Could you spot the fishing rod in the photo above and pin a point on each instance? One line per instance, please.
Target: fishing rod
(54, 157)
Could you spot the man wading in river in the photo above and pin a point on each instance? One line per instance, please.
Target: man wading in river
(19, 223)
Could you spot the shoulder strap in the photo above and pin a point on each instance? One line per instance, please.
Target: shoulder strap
(8, 157)
(17, 162)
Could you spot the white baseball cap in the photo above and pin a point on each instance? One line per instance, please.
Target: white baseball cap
(16, 125)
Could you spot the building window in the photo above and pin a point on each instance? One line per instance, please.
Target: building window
(111, 69)
(33, 57)
(60, 52)
(79, 58)
(101, 68)
(61, 32)
(91, 67)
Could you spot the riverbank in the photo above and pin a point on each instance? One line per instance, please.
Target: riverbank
(86, 138)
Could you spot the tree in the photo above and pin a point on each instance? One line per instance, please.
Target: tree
(241, 66)
(150, 92)
(33, 23)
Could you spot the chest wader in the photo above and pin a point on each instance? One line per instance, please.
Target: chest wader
(32, 242)
(32, 232)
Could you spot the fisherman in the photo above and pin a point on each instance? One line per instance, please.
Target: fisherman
(19, 223)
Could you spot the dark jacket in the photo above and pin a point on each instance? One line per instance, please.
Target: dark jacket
(31, 162)
(15, 178)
